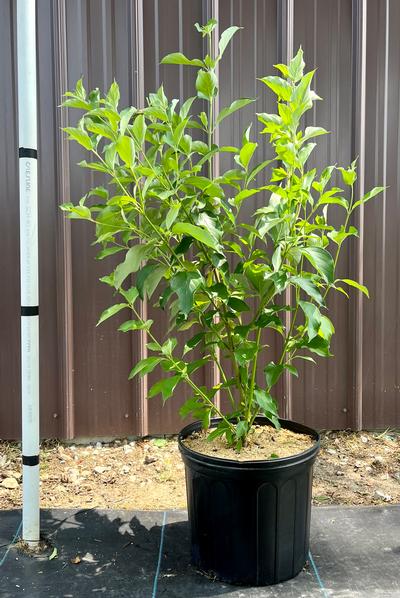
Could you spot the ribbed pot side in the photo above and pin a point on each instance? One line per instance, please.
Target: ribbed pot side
(249, 521)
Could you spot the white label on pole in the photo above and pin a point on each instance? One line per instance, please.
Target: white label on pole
(30, 384)
(28, 231)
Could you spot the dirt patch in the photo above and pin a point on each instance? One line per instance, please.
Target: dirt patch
(352, 468)
(264, 443)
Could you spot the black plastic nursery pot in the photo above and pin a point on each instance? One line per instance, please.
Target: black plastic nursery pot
(249, 520)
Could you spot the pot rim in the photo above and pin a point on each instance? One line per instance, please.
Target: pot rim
(256, 463)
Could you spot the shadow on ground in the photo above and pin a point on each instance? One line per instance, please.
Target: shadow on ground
(117, 554)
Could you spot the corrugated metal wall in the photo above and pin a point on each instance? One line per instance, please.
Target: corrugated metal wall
(354, 43)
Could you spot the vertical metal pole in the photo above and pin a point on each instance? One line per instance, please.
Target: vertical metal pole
(139, 346)
(358, 147)
(27, 123)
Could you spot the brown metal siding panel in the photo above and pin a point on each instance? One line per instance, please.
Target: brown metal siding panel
(380, 348)
(84, 386)
(51, 409)
(100, 50)
(322, 393)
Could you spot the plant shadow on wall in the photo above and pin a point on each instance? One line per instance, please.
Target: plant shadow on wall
(179, 229)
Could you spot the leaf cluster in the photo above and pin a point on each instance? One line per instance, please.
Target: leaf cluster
(177, 228)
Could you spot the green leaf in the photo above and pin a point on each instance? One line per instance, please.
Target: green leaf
(135, 325)
(258, 169)
(194, 341)
(355, 284)
(272, 373)
(125, 116)
(246, 154)
(130, 294)
(166, 387)
(326, 329)
(279, 86)
(313, 318)
(368, 196)
(290, 368)
(145, 366)
(126, 149)
(108, 251)
(111, 311)
(311, 132)
(309, 287)
(132, 262)
(241, 429)
(185, 285)
(206, 85)
(208, 28)
(236, 105)
(113, 95)
(245, 352)
(322, 261)
(77, 212)
(148, 278)
(172, 215)
(264, 400)
(238, 304)
(198, 233)
(319, 346)
(296, 66)
(326, 198)
(139, 129)
(283, 69)
(99, 129)
(79, 136)
(305, 152)
(54, 554)
(179, 58)
(225, 38)
(277, 258)
(349, 175)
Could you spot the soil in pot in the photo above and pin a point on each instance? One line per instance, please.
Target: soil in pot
(264, 443)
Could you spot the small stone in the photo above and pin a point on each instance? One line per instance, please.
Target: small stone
(364, 439)
(150, 459)
(72, 447)
(132, 443)
(126, 469)
(127, 449)
(396, 475)
(358, 464)
(9, 483)
(331, 451)
(339, 473)
(368, 469)
(383, 496)
(98, 445)
(14, 474)
(100, 469)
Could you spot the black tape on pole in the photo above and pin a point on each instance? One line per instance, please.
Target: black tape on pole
(29, 310)
(27, 152)
(30, 460)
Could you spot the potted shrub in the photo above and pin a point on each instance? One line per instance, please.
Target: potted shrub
(178, 228)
